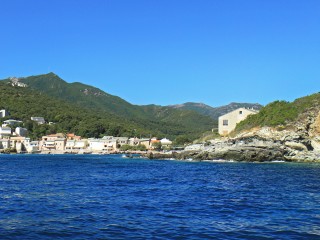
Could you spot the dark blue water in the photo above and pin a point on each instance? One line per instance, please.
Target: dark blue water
(106, 197)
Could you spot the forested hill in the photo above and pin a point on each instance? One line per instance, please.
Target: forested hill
(22, 103)
(80, 94)
(90, 112)
(215, 112)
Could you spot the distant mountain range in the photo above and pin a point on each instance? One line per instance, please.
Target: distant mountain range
(186, 119)
(215, 112)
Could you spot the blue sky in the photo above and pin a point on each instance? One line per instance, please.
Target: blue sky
(169, 51)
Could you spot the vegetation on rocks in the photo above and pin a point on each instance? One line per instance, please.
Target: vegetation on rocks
(127, 147)
(281, 114)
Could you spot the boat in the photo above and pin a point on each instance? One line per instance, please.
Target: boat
(127, 155)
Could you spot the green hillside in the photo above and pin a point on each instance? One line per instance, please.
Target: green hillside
(281, 113)
(214, 112)
(23, 103)
(80, 94)
(146, 120)
(94, 98)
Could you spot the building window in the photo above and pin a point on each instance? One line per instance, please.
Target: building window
(240, 112)
(225, 122)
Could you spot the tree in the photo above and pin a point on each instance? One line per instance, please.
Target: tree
(157, 146)
(182, 140)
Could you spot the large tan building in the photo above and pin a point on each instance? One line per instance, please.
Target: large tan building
(229, 121)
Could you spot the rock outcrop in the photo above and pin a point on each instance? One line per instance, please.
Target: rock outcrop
(241, 149)
(300, 141)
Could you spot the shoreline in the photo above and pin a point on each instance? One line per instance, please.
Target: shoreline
(171, 157)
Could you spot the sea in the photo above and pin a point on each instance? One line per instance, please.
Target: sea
(109, 197)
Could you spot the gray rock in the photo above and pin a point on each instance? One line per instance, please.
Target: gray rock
(296, 146)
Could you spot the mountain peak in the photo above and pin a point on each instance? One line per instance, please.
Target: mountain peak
(52, 74)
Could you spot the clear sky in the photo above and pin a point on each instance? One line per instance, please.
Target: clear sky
(168, 51)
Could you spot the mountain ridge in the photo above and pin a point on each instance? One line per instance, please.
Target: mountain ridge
(169, 121)
(40, 83)
(215, 112)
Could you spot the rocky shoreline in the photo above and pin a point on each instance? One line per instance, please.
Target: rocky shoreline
(259, 145)
(295, 142)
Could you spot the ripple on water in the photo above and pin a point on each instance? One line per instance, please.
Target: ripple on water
(92, 197)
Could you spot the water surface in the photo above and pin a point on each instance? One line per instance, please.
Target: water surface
(107, 197)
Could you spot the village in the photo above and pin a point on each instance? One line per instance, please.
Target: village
(15, 139)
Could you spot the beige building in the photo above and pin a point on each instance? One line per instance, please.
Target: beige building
(146, 142)
(229, 121)
(21, 144)
(53, 142)
(60, 144)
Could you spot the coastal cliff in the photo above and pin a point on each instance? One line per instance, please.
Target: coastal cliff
(298, 140)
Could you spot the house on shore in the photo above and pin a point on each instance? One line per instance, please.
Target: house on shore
(33, 147)
(165, 142)
(21, 144)
(76, 145)
(99, 145)
(229, 121)
(53, 142)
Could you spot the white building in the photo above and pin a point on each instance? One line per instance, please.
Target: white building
(5, 132)
(33, 147)
(77, 144)
(23, 132)
(3, 113)
(70, 144)
(11, 122)
(39, 120)
(98, 145)
(229, 121)
(165, 142)
(107, 143)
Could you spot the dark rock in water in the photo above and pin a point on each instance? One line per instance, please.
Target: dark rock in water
(249, 154)
(159, 155)
(242, 149)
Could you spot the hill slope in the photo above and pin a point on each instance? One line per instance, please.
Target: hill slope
(78, 93)
(283, 114)
(214, 112)
(22, 103)
(167, 121)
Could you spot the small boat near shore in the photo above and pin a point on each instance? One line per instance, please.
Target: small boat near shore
(127, 155)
